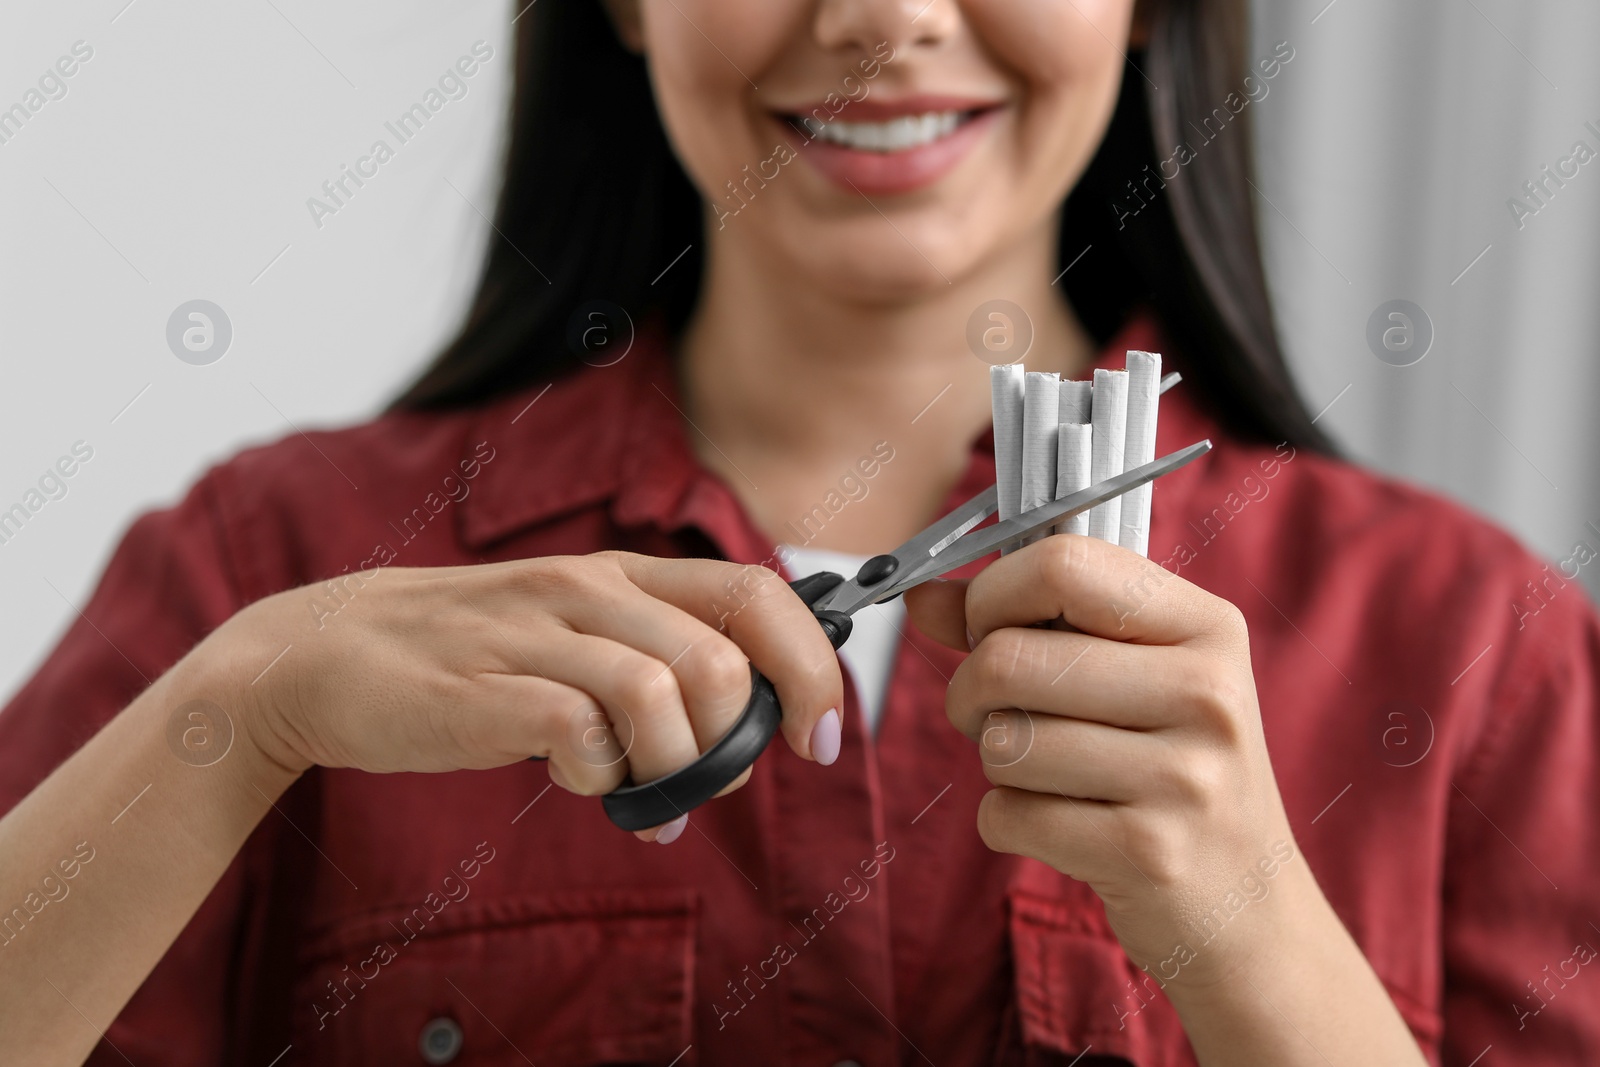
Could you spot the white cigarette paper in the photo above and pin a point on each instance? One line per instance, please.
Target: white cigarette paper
(1109, 419)
(1139, 447)
(1006, 394)
(1041, 425)
(1077, 401)
(1074, 453)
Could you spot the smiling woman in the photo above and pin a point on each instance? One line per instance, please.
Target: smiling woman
(604, 598)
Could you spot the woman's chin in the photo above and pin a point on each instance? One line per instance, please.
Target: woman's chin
(879, 271)
(884, 288)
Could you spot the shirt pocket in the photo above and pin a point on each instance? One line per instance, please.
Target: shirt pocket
(1078, 994)
(574, 979)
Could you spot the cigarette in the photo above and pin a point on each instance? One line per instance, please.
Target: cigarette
(1006, 393)
(1074, 453)
(1139, 446)
(1041, 425)
(1076, 401)
(1109, 420)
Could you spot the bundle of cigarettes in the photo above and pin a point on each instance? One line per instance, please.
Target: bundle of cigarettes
(1053, 438)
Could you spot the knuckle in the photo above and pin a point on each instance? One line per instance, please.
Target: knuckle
(1064, 561)
(815, 684)
(1197, 778)
(555, 578)
(1212, 694)
(591, 736)
(612, 557)
(1155, 848)
(823, 673)
(956, 700)
(998, 657)
(460, 728)
(1004, 738)
(813, 680)
(1230, 621)
(722, 669)
(586, 781)
(764, 581)
(648, 687)
(994, 819)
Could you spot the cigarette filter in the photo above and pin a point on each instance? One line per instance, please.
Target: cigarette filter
(1109, 419)
(1007, 392)
(1139, 446)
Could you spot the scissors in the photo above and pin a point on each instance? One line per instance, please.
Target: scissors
(949, 543)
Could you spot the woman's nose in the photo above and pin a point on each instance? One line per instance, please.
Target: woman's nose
(865, 25)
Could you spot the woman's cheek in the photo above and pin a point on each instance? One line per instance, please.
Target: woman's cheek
(1050, 42)
(705, 95)
(1068, 57)
(749, 40)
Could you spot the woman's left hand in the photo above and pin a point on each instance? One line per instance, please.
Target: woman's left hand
(1128, 755)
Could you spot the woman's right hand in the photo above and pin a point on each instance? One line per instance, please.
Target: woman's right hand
(611, 664)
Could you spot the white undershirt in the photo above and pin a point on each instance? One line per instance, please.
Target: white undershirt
(874, 632)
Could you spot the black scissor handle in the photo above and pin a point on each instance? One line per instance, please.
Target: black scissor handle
(639, 807)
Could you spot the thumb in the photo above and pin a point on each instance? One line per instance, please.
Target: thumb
(939, 609)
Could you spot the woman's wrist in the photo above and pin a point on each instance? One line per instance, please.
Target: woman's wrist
(225, 703)
(1295, 987)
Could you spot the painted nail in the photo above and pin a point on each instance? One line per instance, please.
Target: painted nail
(671, 831)
(825, 738)
(972, 642)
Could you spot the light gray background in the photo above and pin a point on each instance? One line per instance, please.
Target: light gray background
(178, 165)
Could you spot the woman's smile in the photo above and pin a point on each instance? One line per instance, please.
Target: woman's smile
(886, 147)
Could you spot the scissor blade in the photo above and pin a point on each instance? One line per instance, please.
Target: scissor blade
(982, 542)
(850, 596)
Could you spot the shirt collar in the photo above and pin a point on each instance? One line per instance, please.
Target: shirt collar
(596, 435)
(616, 434)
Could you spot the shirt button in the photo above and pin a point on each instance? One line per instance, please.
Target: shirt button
(440, 1041)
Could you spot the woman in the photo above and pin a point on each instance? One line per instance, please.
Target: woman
(553, 545)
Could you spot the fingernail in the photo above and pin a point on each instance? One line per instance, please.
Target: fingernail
(671, 831)
(972, 642)
(825, 738)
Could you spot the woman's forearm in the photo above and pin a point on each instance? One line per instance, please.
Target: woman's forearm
(1305, 996)
(107, 860)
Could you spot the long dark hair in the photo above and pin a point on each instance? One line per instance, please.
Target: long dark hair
(595, 205)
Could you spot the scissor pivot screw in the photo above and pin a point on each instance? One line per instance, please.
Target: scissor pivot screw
(876, 570)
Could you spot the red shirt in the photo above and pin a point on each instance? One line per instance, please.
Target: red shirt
(1431, 718)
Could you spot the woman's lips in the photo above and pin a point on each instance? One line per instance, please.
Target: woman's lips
(886, 149)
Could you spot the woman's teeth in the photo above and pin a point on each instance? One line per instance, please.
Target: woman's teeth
(896, 135)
